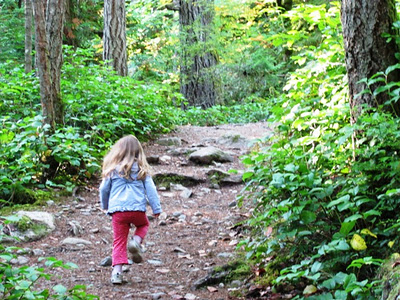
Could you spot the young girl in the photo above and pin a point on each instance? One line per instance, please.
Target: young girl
(124, 192)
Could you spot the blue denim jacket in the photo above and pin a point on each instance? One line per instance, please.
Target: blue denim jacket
(119, 194)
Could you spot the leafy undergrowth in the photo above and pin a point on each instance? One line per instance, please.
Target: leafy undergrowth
(325, 192)
(21, 282)
(100, 107)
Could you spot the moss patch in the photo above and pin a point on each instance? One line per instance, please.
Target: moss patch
(391, 277)
(26, 226)
(32, 199)
(166, 179)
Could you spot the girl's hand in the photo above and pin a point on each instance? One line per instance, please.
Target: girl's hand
(156, 216)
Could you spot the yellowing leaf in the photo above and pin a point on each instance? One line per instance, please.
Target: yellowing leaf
(395, 256)
(390, 244)
(358, 243)
(367, 231)
(309, 289)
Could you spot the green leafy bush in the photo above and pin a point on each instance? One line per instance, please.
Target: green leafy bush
(109, 106)
(12, 21)
(248, 112)
(324, 191)
(100, 107)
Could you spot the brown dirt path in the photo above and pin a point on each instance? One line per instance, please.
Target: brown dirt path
(186, 250)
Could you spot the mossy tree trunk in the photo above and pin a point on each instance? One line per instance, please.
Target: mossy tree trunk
(367, 51)
(198, 59)
(55, 17)
(48, 44)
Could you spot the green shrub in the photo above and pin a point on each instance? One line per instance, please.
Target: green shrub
(21, 282)
(324, 191)
(100, 107)
(12, 21)
(247, 112)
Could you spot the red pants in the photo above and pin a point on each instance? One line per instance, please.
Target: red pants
(121, 223)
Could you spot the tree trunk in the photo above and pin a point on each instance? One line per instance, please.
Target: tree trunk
(367, 52)
(198, 80)
(48, 37)
(28, 36)
(69, 35)
(43, 63)
(285, 4)
(54, 29)
(114, 38)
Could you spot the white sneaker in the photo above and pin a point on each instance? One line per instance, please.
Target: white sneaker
(116, 278)
(136, 250)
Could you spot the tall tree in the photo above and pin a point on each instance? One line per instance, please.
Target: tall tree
(43, 63)
(55, 15)
(198, 80)
(367, 51)
(114, 37)
(48, 44)
(28, 35)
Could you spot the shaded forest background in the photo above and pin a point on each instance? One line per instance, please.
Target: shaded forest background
(324, 188)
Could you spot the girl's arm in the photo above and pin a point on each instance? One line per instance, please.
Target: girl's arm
(104, 189)
(152, 195)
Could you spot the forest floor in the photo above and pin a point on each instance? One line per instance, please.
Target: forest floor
(197, 235)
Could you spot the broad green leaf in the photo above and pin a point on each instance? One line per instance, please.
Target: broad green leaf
(349, 281)
(342, 245)
(308, 216)
(340, 277)
(347, 227)
(23, 284)
(340, 294)
(371, 212)
(393, 191)
(60, 289)
(392, 68)
(329, 284)
(316, 267)
(247, 175)
(290, 168)
(342, 199)
(352, 218)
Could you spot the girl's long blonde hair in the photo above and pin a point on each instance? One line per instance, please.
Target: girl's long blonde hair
(123, 155)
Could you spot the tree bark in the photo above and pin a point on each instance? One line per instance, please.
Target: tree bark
(43, 63)
(54, 29)
(48, 37)
(28, 35)
(68, 27)
(198, 80)
(114, 38)
(367, 52)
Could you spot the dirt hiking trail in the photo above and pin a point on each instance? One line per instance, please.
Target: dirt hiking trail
(194, 235)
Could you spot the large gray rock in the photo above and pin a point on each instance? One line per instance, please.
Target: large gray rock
(40, 217)
(224, 178)
(169, 141)
(234, 140)
(168, 178)
(37, 224)
(75, 242)
(209, 154)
